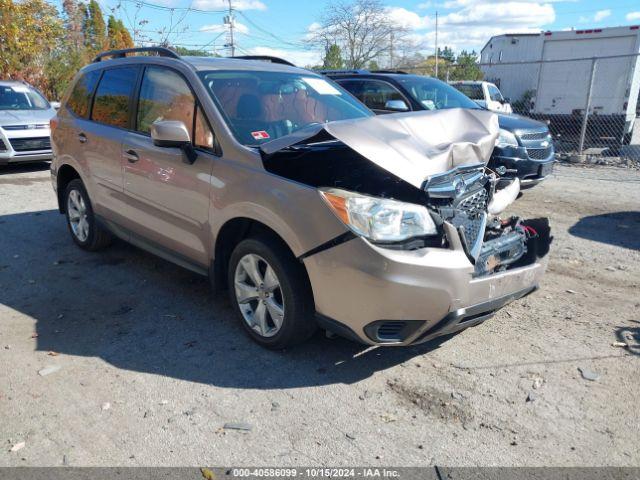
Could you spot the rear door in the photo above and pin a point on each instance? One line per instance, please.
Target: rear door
(168, 198)
(73, 119)
(101, 137)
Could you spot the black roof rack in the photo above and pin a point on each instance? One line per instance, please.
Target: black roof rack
(338, 72)
(161, 51)
(265, 58)
(401, 72)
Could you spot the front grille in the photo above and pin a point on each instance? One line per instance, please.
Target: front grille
(472, 228)
(470, 216)
(30, 144)
(534, 135)
(474, 204)
(3, 147)
(37, 126)
(539, 153)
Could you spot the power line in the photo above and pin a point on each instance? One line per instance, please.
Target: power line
(143, 3)
(266, 32)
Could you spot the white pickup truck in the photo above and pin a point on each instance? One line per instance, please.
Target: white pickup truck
(485, 94)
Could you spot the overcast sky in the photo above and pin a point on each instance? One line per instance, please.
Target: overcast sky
(278, 27)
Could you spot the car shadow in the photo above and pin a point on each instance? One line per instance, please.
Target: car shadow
(621, 229)
(141, 313)
(24, 168)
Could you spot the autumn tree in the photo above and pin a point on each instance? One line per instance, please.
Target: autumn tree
(118, 35)
(29, 31)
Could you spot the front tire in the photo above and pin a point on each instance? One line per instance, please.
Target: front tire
(270, 291)
(81, 220)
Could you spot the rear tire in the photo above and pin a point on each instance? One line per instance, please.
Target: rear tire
(81, 220)
(271, 293)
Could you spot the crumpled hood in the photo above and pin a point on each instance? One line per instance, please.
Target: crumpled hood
(412, 145)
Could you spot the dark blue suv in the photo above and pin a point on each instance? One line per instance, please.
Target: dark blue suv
(524, 148)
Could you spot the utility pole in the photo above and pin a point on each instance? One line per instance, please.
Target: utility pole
(230, 21)
(436, 43)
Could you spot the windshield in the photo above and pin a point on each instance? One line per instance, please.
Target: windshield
(433, 94)
(471, 90)
(262, 106)
(21, 97)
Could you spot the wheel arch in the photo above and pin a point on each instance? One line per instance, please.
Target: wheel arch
(65, 174)
(232, 232)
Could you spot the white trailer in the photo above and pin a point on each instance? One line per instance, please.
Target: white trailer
(569, 69)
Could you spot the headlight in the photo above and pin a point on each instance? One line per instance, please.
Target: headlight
(506, 139)
(379, 219)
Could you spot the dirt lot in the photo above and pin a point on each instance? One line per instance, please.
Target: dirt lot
(150, 367)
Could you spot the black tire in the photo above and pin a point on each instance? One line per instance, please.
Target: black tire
(298, 322)
(97, 238)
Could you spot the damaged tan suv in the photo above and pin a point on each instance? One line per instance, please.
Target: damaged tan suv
(283, 188)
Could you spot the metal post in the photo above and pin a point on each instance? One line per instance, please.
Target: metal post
(587, 106)
(231, 19)
(436, 44)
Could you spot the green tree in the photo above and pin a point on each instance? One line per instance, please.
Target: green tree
(447, 54)
(189, 52)
(95, 30)
(332, 58)
(466, 67)
(373, 65)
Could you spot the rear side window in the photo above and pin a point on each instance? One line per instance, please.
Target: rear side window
(471, 90)
(375, 94)
(164, 95)
(80, 98)
(111, 105)
(354, 87)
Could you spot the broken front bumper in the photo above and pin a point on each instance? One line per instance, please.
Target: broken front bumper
(394, 297)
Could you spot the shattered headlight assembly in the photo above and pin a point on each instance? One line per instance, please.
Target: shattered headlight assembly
(379, 219)
(506, 139)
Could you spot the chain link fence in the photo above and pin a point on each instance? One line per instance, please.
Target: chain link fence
(591, 105)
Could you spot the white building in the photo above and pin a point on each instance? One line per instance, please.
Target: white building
(560, 71)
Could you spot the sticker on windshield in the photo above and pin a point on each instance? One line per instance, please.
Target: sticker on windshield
(260, 135)
(321, 86)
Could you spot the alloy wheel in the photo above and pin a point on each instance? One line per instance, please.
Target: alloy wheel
(259, 295)
(78, 219)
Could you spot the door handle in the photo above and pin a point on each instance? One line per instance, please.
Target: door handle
(82, 138)
(131, 156)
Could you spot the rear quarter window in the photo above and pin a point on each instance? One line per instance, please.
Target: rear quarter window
(111, 104)
(80, 97)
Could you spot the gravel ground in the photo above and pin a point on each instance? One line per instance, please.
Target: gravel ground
(148, 367)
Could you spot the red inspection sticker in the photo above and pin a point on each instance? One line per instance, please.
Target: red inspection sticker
(260, 135)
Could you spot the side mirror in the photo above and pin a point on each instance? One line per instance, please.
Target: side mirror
(173, 134)
(396, 106)
(55, 105)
